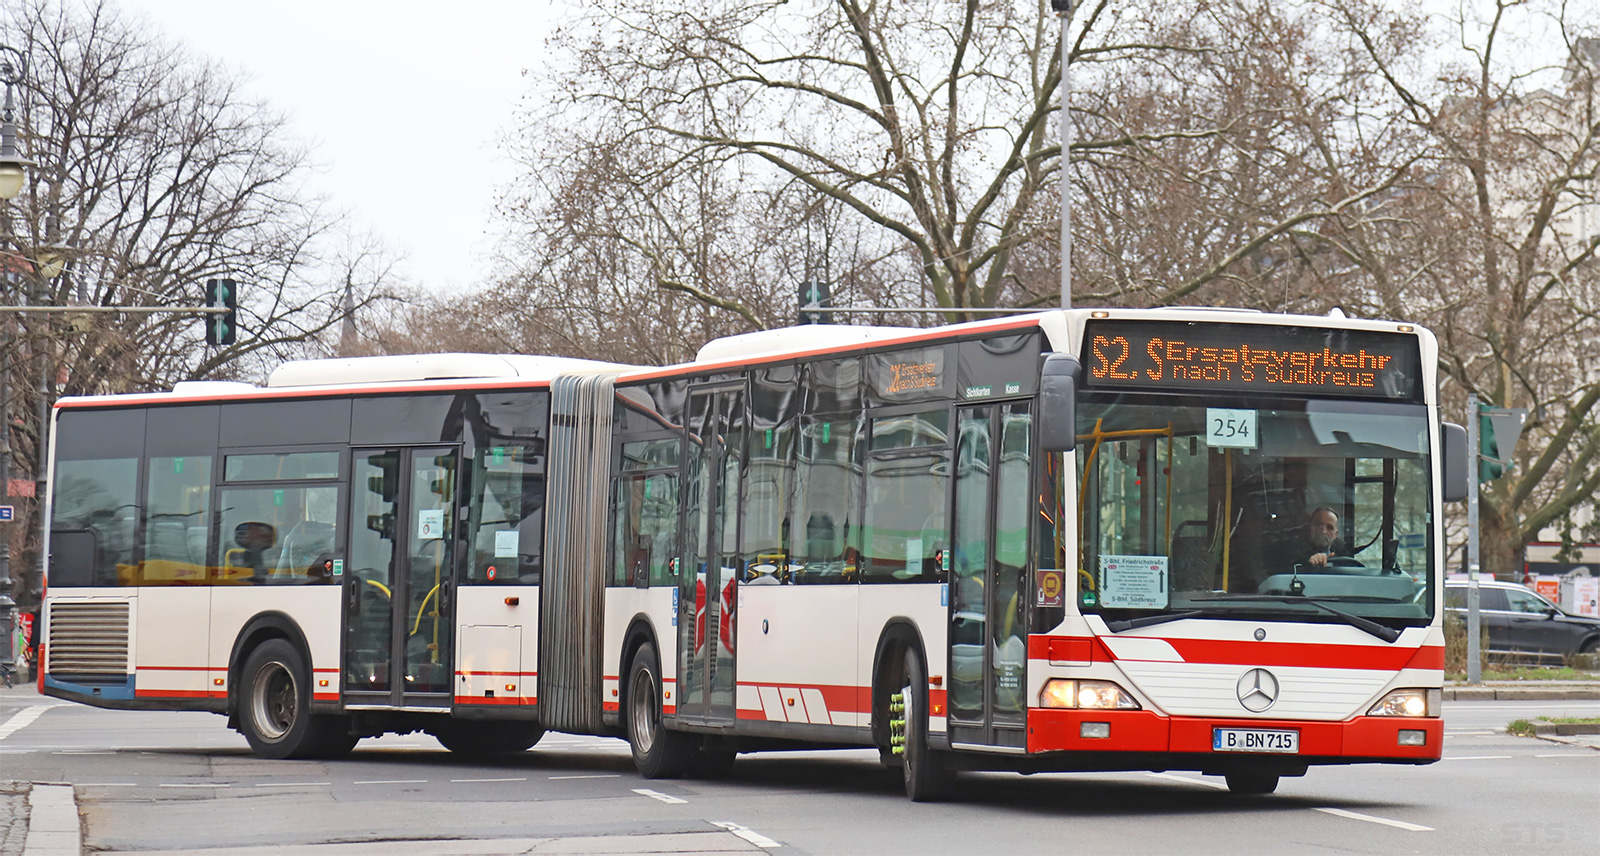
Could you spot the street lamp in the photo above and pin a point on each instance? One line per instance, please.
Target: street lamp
(13, 166)
(13, 174)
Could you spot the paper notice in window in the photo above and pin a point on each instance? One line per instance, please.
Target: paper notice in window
(505, 544)
(1133, 582)
(430, 525)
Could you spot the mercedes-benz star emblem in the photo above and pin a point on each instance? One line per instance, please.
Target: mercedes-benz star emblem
(1261, 633)
(1258, 689)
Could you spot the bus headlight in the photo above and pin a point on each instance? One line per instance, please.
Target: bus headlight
(1085, 695)
(1414, 702)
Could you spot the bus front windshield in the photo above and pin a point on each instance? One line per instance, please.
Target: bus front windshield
(1253, 509)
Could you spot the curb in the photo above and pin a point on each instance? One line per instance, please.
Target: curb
(1566, 729)
(1521, 693)
(53, 826)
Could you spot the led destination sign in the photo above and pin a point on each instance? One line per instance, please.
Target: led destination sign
(1179, 355)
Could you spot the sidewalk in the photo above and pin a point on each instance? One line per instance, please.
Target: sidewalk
(1523, 691)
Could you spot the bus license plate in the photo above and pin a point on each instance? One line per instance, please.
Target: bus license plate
(1254, 740)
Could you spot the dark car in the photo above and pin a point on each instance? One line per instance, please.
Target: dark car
(1522, 624)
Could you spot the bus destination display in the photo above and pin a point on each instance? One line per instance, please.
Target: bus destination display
(1178, 355)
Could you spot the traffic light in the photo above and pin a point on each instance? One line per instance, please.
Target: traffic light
(814, 300)
(222, 328)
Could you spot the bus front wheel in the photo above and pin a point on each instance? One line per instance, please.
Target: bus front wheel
(926, 776)
(658, 752)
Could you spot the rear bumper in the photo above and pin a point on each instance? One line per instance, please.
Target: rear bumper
(1360, 739)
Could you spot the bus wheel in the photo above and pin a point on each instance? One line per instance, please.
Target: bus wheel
(1251, 783)
(658, 752)
(927, 779)
(276, 706)
(484, 739)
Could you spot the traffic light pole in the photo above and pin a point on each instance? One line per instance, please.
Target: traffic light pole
(1474, 655)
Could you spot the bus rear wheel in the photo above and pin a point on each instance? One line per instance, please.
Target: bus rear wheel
(275, 709)
(658, 752)
(486, 739)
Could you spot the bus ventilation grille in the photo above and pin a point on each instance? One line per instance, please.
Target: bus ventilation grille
(89, 639)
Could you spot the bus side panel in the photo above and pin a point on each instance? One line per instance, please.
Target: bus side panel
(171, 659)
(623, 604)
(497, 645)
(924, 605)
(314, 608)
(797, 655)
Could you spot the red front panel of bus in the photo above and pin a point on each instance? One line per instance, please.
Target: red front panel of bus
(1145, 731)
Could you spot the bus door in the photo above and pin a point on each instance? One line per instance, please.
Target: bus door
(988, 565)
(398, 597)
(706, 585)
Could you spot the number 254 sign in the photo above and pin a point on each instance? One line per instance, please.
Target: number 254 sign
(1227, 428)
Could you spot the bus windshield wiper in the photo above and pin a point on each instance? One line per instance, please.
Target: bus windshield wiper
(1387, 634)
(1146, 621)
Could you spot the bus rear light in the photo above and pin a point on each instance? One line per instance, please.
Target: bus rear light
(1085, 695)
(1409, 702)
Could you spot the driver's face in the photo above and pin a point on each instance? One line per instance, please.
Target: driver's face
(1324, 528)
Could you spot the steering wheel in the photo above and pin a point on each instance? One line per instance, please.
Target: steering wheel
(1344, 562)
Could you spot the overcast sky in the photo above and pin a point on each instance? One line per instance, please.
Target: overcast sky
(401, 100)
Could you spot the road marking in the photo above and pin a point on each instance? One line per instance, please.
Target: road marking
(188, 785)
(1398, 824)
(1475, 758)
(657, 795)
(509, 779)
(23, 718)
(1570, 755)
(83, 752)
(599, 776)
(1455, 733)
(109, 785)
(1188, 781)
(293, 784)
(392, 782)
(747, 834)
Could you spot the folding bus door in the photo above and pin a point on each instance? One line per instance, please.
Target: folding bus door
(398, 596)
(988, 564)
(706, 594)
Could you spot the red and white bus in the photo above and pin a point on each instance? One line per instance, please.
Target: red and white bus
(1075, 540)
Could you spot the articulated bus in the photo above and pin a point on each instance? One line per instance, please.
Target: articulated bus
(1081, 540)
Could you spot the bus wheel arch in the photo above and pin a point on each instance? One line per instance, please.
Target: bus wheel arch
(897, 637)
(257, 632)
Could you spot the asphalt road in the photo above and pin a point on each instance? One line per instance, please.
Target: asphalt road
(171, 781)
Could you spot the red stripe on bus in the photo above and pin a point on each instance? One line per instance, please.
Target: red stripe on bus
(503, 674)
(181, 668)
(1250, 653)
(486, 700)
(174, 693)
(272, 393)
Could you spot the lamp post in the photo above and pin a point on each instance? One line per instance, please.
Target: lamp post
(13, 174)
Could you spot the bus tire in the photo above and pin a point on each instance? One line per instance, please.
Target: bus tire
(487, 739)
(927, 778)
(658, 751)
(275, 703)
(1251, 783)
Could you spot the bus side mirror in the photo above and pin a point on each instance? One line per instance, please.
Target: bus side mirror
(1058, 400)
(1454, 439)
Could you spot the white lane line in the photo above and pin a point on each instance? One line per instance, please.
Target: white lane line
(392, 782)
(82, 752)
(598, 776)
(657, 795)
(508, 779)
(108, 785)
(1475, 757)
(747, 834)
(1571, 755)
(187, 785)
(1188, 781)
(23, 718)
(293, 784)
(1398, 824)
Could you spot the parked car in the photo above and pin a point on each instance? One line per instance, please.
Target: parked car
(1522, 624)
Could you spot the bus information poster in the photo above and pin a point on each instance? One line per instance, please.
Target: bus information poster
(1182, 356)
(1133, 582)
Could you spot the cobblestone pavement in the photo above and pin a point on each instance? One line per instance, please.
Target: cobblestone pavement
(13, 817)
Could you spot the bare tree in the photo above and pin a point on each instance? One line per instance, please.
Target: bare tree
(154, 173)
